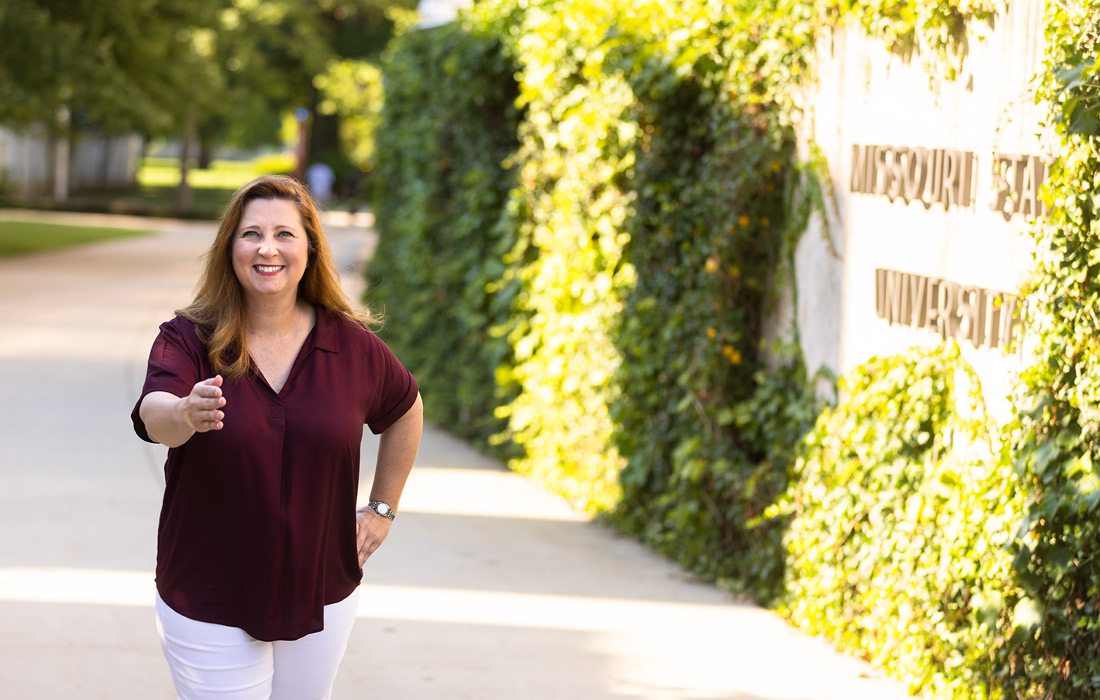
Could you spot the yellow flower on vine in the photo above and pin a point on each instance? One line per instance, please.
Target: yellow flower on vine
(712, 264)
(731, 354)
(743, 221)
(712, 332)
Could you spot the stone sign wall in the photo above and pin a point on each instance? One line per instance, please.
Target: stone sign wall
(933, 185)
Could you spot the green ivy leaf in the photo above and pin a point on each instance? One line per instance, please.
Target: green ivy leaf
(1043, 456)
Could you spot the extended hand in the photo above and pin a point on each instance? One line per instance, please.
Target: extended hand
(202, 407)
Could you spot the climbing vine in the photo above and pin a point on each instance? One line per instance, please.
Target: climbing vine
(1056, 647)
(653, 209)
(939, 32)
(448, 124)
(900, 512)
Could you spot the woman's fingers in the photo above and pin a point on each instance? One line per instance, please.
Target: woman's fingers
(371, 530)
(211, 420)
(204, 404)
(366, 550)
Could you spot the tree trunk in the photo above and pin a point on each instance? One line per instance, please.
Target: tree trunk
(206, 151)
(61, 147)
(184, 196)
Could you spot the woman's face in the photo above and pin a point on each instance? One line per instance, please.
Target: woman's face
(270, 249)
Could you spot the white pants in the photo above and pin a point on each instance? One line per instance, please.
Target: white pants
(226, 663)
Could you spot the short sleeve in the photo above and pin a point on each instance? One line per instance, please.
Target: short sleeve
(173, 367)
(395, 387)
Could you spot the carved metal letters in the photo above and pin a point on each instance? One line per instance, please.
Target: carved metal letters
(929, 176)
(985, 317)
(947, 177)
(1016, 181)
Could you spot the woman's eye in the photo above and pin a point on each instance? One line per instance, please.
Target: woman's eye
(286, 234)
(250, 234)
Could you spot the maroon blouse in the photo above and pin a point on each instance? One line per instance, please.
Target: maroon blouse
(257, 528)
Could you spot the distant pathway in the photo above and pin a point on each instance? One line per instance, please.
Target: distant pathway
(488, 588)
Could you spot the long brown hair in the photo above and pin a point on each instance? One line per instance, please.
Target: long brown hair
(218, 309)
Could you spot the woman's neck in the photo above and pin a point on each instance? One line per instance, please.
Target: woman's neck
(275, 316)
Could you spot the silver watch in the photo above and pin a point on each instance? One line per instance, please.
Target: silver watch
(382, 509)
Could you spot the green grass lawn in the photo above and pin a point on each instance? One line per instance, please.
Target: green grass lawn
(222, 175)
(158, 178)
(17, 237)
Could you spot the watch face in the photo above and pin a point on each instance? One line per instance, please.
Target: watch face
(382, 509)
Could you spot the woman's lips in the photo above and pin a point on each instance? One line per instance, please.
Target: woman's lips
(268, 270)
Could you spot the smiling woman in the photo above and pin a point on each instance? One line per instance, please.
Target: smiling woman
(19, 237)
(261, 388)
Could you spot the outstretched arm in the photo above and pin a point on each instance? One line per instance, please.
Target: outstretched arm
(172, 420)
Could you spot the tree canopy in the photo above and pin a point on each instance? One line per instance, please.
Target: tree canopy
(226, 67)
(129, 64)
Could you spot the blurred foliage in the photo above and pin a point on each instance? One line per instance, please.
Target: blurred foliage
(1057, 654)
(266, 54)
(1071, 82)
(352, 90)
(131, 64)
(707, 430)
(938, 31)
(447, 128)
(270, 54)
(569, 212)
(900, 509)
(644, 149)
(609, 264)
(225, 70)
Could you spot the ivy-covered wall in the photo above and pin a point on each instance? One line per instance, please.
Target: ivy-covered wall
(586, 209)
(706, 433)
(1055, 451)
(900, 513)
(448, 128)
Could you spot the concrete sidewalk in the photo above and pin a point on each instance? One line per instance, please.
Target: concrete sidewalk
(487, 587)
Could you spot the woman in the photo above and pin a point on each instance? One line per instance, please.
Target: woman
(261, 388)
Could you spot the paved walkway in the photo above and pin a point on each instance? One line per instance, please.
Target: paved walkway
(487, 588)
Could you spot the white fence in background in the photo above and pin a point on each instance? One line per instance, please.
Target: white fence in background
(95, 162)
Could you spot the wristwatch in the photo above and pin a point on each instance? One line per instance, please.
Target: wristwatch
(382, 509)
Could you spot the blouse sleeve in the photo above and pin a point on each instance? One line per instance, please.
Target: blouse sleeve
(395, 388)
(173, 368)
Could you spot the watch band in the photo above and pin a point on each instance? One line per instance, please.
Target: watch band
(382, 509)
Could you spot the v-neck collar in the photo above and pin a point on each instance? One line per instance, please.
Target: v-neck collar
(308, 343)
